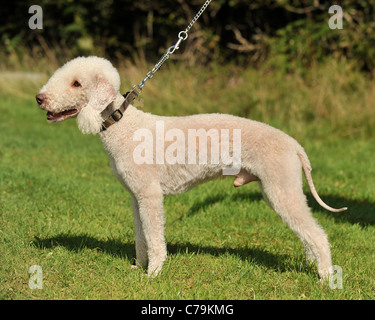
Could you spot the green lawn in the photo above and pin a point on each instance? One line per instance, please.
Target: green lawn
(62, 209)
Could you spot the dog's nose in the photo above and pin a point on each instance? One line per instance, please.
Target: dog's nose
(40, 98)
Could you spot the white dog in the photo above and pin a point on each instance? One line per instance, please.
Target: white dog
(150, 168)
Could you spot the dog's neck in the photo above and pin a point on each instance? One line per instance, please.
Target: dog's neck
(114, 105)
(118, 113)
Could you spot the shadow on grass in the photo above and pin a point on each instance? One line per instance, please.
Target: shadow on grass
(126, 251)
(255, 255)
(77, 243)
(361, 212)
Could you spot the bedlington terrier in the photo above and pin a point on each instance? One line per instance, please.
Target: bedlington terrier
(153, 156)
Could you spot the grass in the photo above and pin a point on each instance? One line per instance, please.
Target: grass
(62, 209)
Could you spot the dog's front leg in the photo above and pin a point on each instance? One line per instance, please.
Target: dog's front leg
(140, 241)
(151, 218)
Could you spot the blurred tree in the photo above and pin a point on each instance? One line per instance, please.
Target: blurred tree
(295, 32)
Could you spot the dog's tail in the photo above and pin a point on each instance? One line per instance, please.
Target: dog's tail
(307, 170)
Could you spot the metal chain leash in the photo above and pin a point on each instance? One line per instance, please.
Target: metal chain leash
(182, 36)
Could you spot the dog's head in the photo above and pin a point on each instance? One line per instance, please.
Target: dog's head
(82, 88)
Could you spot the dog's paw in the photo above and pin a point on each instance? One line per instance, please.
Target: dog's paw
(153, 271)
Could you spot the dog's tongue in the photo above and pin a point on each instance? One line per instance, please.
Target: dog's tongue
(54, 116)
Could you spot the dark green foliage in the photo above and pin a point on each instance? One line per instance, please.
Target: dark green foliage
(294, 33)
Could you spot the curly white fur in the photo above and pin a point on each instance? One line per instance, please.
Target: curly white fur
(100, 84)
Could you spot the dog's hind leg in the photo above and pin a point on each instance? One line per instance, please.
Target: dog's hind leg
(290, 203)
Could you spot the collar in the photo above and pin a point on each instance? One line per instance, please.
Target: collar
(119, 113)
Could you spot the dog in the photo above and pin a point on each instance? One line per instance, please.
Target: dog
(153, 156)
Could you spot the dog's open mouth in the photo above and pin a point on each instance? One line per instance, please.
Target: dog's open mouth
(55, 117)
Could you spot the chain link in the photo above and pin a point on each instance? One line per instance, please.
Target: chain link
(206, 4)
(182, 36)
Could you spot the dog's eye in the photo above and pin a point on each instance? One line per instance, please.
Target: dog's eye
(76, 84)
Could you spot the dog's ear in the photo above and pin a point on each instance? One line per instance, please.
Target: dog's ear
(89, 118)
